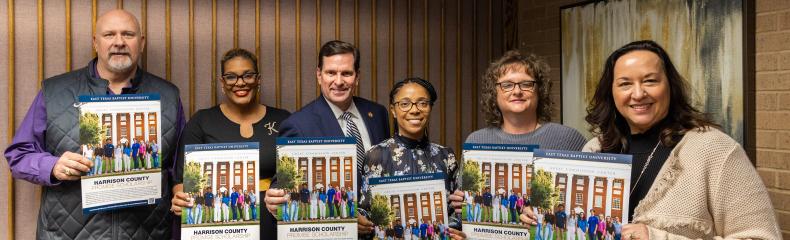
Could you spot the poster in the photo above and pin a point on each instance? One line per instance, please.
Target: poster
(222, 183)
(413, 203)
(120, 134)
(496, 185)
(590, 186)
(319, 176)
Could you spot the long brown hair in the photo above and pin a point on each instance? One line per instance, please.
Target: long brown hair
(610, 125)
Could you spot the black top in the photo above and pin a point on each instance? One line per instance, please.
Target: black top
(640, 146)
(211, 126)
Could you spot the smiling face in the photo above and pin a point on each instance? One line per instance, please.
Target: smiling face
(640, 90)
(338, 79)
(117, 41)
(240, 81)
(517, 101)
(412, 120)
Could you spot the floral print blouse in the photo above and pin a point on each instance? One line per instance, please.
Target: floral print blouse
(403, 156)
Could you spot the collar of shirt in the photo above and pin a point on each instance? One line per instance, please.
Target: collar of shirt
(339, 112)
(126, 89)
(356, 117)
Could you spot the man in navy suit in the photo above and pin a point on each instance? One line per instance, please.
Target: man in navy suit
(338, 76)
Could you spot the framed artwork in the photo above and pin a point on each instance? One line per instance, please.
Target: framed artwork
(708, 41)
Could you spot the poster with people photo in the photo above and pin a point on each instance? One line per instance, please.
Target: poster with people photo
(496, 184)
(579, 195)
(319, 176)
(414, 206)
(120, 135)
(222, 183)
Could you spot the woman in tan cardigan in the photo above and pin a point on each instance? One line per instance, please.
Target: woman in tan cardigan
(689, 180)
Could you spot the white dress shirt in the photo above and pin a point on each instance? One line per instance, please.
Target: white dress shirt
(356, 117)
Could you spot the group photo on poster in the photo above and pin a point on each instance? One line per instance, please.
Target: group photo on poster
(319, 178)
(579, 195)
(496, 181)
(119, 134)
(408, 206)
(376, 120)
(120, 137)
(221, 182)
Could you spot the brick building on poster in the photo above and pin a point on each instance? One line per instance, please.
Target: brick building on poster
(421, 206)
(226, 175)
(328, 171)
(143, 126)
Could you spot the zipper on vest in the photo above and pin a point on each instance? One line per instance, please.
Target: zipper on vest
(112, 225)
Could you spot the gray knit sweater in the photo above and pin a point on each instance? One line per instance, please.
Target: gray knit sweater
(549, 136)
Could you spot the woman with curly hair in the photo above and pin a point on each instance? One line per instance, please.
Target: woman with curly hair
(517, 106)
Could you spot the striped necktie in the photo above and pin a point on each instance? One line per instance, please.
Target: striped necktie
(353, 131)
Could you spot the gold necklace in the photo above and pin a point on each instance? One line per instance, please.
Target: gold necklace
(644, 168)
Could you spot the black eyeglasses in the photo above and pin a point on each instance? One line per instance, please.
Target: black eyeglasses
(508, 86)
(406, 105)
(232, 79)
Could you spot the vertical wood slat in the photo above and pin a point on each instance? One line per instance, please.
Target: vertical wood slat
(458, 80)
(213, 52)
(144, 23)
(11, 113)
(258, 32)
(318, 37)
(475, 73)
(277, 63)
(490, 31)
(40, 15)
(168, 48)
(391, 54)
(191, 57)
(235, 23)
(298, 33)
(257, 41)
(94, 15)
(408, 40)
(356, 34)
(426, 52)
(119, 4)
(442, 75)
(356, 23)
(68, 36)
(373, 52)
(337, 19)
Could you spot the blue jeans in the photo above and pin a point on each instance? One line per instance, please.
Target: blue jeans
(549, 232)
(97, 161)
(190, 220)
(469, 215)
(286, 218)
(538, 231)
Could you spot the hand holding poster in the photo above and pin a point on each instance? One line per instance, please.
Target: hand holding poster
(222, 183)
(574, 192)
(120, 134)
(496, 181)
(319, 178)
(409, 206)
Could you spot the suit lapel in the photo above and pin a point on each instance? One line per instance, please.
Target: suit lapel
(329, 124)
(368, 117)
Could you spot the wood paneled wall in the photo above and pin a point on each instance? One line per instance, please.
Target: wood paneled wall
(448, 42)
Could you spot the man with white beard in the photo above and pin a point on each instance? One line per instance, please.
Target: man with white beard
(46, 151)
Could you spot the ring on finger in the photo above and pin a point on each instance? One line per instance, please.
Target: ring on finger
(67, 172)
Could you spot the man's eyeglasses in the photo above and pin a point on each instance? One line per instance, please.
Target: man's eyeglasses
(232, 79)
(508, 86)
(405, 105)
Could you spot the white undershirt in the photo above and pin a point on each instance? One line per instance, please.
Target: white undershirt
(356, 117)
